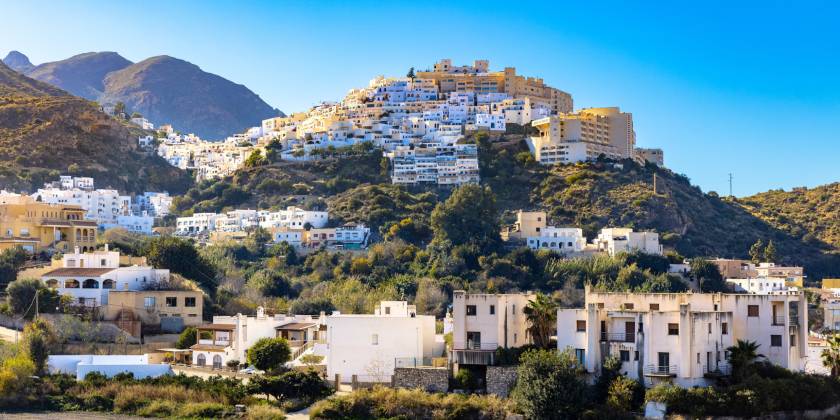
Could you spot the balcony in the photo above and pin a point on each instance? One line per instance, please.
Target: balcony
(778, 320)
(664, 371)
(717, 371)
(211, 342)
(475, 353)
(624, 337)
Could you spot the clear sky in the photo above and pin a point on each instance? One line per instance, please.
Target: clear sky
(751, 88)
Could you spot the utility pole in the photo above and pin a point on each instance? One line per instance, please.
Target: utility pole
(36, 303)
(730, 184)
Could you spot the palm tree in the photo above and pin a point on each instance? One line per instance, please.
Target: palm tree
(742, 355)
(542, 319)
(831, 355)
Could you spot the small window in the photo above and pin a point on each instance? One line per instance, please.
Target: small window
(581, 326)
(775, 341)
(628, 306)
(189, 302)
(636, 355)
(710, 328)
(171, 301)
(673, 329)
(724, 328)
(599, 305)
(374, 339)
(513, 309)
(654, 306)
(752, 310)
(102, 262)
(492, 309)
(793, 340)
(580, 354)
(149, 302)
(387, 310)
(624, 355)
(471, 310)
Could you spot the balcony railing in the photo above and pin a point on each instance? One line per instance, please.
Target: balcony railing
(415, 362)
(778, 320)
(475, 345)
(718, 370)
(623, 337)
(660, 370)
(211, 342)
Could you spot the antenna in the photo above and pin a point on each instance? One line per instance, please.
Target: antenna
(730, 184)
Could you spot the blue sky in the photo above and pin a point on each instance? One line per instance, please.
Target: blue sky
(751, 88)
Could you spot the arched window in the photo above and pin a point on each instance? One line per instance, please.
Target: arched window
(217, 362)
(201, 359)
(52, 283)
(71, 284)
(108, 284)
(90, 284)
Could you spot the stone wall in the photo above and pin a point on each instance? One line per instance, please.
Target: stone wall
(428, 379)
(500, 380)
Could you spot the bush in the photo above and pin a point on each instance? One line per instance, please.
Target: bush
(269, 354)
(187, 338)
(159, 409)
(206, 410)
(265, 412)
(294, 384)
(550, 385)
(380, 402)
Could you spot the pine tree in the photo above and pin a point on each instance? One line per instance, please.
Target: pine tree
(757, 251)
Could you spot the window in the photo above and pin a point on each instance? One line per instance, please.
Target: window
(492, 309)
(599, 305)
(724, 328)
(387, 310)
(752, 310)
(189, 302)
(624, 355)
(628, 306)
(470, 310)
(513, 309)
(374, 339)
(149, 302)
(673, 329)
(171, 301)
(775, 341)
(580, 354)
(636, 355)
(654, 306)
(710, 328)
(102, 262)
(581, 326)
(793, 340)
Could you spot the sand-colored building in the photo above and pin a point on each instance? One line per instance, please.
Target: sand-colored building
(34, 225)
(171, 309)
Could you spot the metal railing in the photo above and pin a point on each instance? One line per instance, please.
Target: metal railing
(302, 349)
(661, 370)
(474, 357)
(475, 345)
(778, 320)
(414, 362)
(620, 337)
(720, 369)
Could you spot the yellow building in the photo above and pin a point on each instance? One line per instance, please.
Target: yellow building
(34, 225)
(479, 79)
(173, 309)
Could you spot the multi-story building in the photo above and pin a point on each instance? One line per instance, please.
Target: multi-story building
(528, 224)
(156, 204)
(196, 224)
(371, 346)
(478, 78)
(240, 220)
(348, 236)
(435, 163)
(89, 277)
(229, 337)
(586, 135)
(484, 322)
(759, 284)
(745, 269)
(655, 156)
(35, 225)
(617, 240)
(683, 337)
(170, 310)
(564, 240)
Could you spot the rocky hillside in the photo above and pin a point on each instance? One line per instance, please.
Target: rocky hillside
(45, 132)
(166, 89)
(163, 89)
(591, 195)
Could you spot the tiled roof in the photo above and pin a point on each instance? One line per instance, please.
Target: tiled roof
(78, 272)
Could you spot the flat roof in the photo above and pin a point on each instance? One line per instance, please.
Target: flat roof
(207, 347)
(217, 327)
(77, 272)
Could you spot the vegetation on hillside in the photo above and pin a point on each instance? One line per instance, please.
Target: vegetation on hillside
(45, 133)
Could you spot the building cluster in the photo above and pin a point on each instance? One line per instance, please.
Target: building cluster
(37, 226)
(297, 227)
(747, 277)
(531, 228)
(207, 159)
(107, 207)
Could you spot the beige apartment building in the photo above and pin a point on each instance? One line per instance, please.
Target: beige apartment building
(479, 79)
(568, 138)
(483, 322)
(34, 225)
(528, 224)
(179, 308)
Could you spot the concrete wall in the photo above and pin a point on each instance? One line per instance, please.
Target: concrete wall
(500, 380)
(139, 371)
(427, 379)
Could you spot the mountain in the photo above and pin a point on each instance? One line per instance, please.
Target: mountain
(82, 74)
(589, 195)
(18, 62)
(45, 132)
(166, 89)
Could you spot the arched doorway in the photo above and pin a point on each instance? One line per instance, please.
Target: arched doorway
(217, 362)
(108, 284)
(52, 283)
(201, 359)
(71, 284)
(90, 284)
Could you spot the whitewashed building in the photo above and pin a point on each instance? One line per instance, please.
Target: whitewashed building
(564, 240)
(484, 322)
(616, 240)
(371, 346)
(683, 337)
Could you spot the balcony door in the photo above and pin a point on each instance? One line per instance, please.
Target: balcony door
(629, 331)
(473, 340)
(664, 362)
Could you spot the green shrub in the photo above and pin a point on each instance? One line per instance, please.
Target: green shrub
(208, 410)
(159, 409)
(264, 412)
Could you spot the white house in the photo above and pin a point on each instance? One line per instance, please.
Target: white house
(759, 284)
(229, 337)
(197, 223)
(683, 337)
(617, 240)
(89, 277)
(109, 365)
(371, 346)
(484, 322)
(566, 240)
